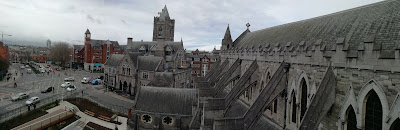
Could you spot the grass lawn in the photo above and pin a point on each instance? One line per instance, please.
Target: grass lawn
(26, 117)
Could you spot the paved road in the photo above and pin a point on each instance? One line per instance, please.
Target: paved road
(33, 83)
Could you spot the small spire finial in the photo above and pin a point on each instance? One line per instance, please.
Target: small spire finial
(248, 25)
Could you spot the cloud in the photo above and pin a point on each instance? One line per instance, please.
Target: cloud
(201, 24)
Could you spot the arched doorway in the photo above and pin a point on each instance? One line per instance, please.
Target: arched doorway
(125, 86)
(303, 98)
(120, 85)
(373, 112)
(351, 120)
(395, 125)
(130, 89)
(293, 108)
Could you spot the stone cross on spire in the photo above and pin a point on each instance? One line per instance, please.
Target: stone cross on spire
(248, 25)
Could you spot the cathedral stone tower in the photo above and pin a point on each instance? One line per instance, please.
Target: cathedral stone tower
(227, 41)
(164, 26)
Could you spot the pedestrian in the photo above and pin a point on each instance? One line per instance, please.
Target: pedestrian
(15, 85)
(82, 92)
(14, 78)
(22, 74)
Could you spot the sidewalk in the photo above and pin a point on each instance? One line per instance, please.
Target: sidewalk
(10, 82)
(114, 95)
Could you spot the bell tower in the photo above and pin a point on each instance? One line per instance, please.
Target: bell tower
(164, 26)
(87, 35)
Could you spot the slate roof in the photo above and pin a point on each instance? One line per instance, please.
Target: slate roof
(149, 63)
(94, 42)
(114, 60)
(78, 47)
(162, 79)
(166, 100)
(134, 56)
(239, 108)
(134, 46)
(378, 23)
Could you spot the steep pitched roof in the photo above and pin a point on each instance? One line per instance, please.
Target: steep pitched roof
(94, 42)
(166, 100)
(87, 31)
(376, 23)
(134, 56)
(78, 47)
(162, 79)
(114, 60)
(149, 63)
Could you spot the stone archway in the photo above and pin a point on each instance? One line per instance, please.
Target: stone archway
(130, 89)
(125, 87)
(120, 85)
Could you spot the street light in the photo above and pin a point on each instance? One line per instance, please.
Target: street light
(2, 35)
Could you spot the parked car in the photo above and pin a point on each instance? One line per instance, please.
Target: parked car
(69, 79)
(95, 81)
(27, 66)
(85, 80)
(100, 77)
(66, 84)
(32, 100)
(71, 88)
(42, 70)
(22, 67)
(47, 89)
(19, 96)
(58, 69)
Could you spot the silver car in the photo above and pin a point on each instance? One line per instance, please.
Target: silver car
(32, 100)
(19, 96)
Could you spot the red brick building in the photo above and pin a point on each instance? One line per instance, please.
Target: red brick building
(201, 62)
(4, 51)
(95, 53)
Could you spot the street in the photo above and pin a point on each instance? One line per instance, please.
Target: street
(34, 83)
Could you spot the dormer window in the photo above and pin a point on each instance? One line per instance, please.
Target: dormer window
(160, 31)
(142, 49)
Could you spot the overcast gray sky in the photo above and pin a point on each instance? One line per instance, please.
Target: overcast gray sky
(200, 23)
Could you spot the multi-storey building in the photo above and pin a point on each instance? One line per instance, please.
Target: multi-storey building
(95, 52)
(201, 62)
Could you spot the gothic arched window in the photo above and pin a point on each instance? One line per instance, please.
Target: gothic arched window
(160, 31)
(351, 120)
(373, 112)
(294, 108)
(395, 125)
(303, 98)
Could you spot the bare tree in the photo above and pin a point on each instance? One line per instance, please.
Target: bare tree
(60, 52)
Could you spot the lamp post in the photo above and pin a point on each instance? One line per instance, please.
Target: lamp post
(2, 35)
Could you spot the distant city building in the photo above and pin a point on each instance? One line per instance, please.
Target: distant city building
(48, 43)
(4, 53)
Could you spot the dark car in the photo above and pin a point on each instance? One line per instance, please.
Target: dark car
(47, 89)
(100, 77)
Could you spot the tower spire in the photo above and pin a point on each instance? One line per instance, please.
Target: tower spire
(227, 33)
